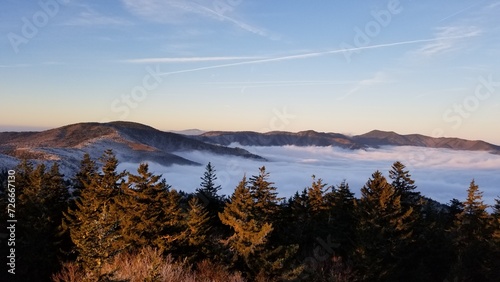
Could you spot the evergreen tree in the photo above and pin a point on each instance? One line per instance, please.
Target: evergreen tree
(473, 239)
(264, 195)
(208, 187)
(40, 206)
(495, 216)
(207, 193)
(495, 224)
(149, 211)
(94, 223)
(250, 232)
(404, 184)
(198, 231)
(88, 171)
(316, 200)
(343, 220)
(383, 231)
(412, 202)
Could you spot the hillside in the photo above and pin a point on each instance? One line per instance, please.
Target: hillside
(132, 142)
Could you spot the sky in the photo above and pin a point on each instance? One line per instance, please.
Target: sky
(427, 67)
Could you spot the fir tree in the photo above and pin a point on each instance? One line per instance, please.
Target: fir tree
(473, 239)
(208, 187)
(264, 195)
(198, 231)
(316, 201)
(383, 231)
(343, 220)
(207, 193)
(250, 232)
(149, 211)
(94, 223)
(40, 206)
(87, 172)
(495, 216)
(404, 184)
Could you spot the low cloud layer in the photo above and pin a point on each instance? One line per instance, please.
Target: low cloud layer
(439, 173)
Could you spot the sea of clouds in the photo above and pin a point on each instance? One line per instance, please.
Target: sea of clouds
(440, 174)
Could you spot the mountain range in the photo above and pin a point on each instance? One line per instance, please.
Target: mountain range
(134, 142)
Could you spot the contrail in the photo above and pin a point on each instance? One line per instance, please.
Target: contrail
(313, 54)
(461, 11)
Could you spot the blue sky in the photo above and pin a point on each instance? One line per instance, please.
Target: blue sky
(428, 67)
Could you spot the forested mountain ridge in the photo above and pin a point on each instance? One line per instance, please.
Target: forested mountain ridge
(372, 139)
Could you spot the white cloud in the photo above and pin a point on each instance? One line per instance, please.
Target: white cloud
(90, 17)
(182, 11)
(439, 173)
(378, 78)
(187, 59)
(449, 38)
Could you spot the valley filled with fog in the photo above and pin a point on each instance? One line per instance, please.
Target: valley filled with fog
(440, 174)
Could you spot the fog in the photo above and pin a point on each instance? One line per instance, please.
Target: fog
(440, 174)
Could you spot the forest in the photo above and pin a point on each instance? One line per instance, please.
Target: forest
(108, 225)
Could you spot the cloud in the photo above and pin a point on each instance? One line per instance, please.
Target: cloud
(378, 78)
(90, 17)
(493, 5)
(447, 39)
(441, 174)
(182, 11)
(277, 83)
(187, 59)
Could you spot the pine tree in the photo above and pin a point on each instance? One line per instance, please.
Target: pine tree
(250, 232)
(208, 188)
(495, 216)
(40, 206)
(264, 195)
(383, 231)
(343, 219)
(473, 238)
(412, 202)
(197, 231)
(317, 203)
(404, 184)
(94, 223)
(495, 224)
(207, 193)
(87, 172)
(149, 211)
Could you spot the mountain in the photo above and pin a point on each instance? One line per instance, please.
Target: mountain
(281, 138)
(131, 142)
(372, 139)
(134, 142)
(378, 138)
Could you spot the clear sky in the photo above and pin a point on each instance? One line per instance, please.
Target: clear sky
(428, 67)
